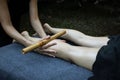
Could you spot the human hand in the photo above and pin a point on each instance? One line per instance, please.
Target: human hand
(44, 49)
(51, 47)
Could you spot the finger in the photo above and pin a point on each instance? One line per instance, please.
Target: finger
(63, 40)
(48, 51)
(47, 37)
(44, 38)
(48, 45)
(49, 54)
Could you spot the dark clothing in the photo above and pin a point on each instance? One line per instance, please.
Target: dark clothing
(16, 9)
(107, 64)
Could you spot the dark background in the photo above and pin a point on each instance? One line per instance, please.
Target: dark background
(96, 18)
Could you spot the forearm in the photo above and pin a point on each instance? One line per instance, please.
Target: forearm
(13, 33)
(35, 22)
(6, 23)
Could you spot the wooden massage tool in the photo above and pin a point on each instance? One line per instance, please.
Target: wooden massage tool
(42, 42)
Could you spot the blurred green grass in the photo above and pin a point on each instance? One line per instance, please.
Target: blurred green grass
(91, 19)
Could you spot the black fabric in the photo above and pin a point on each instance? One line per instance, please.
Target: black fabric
(16, 9)
(107, 64)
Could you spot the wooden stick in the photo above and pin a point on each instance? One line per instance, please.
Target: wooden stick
(42, 42)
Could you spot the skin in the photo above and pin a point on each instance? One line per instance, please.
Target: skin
(8, 27)
(78, 37)
(35, 22)
(82, 56)
(5, 21)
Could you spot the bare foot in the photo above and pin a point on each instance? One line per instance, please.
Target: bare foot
(47, 28)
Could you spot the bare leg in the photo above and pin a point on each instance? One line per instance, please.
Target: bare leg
(78, 37)
(82, 56)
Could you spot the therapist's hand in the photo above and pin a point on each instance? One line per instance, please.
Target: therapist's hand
(46, 48)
